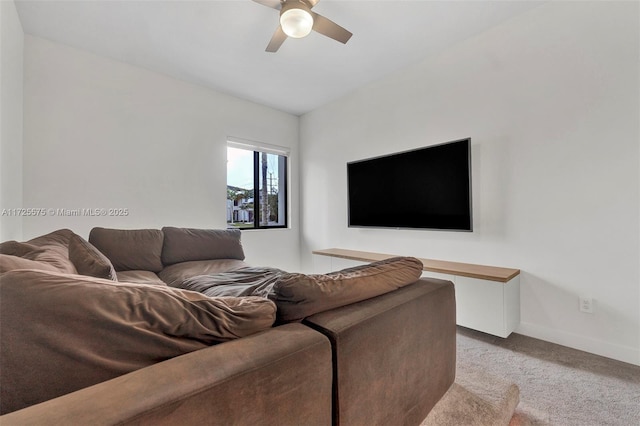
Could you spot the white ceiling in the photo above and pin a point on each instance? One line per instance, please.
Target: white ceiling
(220, 43)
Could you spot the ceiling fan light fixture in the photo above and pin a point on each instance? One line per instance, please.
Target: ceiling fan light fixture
(296, 21)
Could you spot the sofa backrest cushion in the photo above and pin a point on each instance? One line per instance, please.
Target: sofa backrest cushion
(88, 260)
(188, 244)
(54, 250)
(130, 249)
(63, 332)
(298, 295)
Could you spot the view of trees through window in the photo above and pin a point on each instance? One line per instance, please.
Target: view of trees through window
(256, 189)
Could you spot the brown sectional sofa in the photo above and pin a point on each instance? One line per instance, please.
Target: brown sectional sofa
(371, 345)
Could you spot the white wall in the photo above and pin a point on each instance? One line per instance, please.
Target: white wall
(11, 69)
(550, 100)
(103, 134)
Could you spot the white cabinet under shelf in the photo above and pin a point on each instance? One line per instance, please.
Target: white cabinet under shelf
(487, 297)
(489, 306)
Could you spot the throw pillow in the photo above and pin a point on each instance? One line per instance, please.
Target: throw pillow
(298, 295)
(88, 260)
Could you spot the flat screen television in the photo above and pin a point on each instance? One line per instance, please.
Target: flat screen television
(425, 188)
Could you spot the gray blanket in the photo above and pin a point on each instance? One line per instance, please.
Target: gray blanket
(256, 281)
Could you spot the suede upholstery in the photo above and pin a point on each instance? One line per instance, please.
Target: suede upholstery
(48, 252)
(54, 250)
(108, 329)
(15, 248)
(383, 360)
(188, 244)
(88, 260)
(299, 295)
(394, 355)
(140, 277)
(9, 263)
(280, 377)
(130, 249)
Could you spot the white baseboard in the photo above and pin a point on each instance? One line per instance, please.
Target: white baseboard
(599, 347)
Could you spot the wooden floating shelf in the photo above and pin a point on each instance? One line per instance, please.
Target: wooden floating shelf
(490, 273)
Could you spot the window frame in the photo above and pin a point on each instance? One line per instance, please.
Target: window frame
(257, 148)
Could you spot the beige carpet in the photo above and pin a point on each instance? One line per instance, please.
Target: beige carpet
(555, 385)
(476, 398)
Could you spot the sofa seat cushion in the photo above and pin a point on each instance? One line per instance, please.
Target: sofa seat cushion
(63, 332)
(140, 277)
(298, 295)
(130, 249)
(175, 275)
(188, 244)
(88, 260)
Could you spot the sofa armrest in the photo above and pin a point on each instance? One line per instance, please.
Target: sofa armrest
(394, 355)
(277, 377)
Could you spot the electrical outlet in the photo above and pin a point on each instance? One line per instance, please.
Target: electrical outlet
(586, 305)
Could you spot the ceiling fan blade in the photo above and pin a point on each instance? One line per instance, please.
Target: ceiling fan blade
(276, 40)
(329, 28)
(274, 4)
(312, 3)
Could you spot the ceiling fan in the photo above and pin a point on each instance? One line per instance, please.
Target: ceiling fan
(297, 20)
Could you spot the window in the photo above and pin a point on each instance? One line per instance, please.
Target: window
(256, 186)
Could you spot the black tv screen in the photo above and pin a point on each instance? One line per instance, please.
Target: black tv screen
(426, 188)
